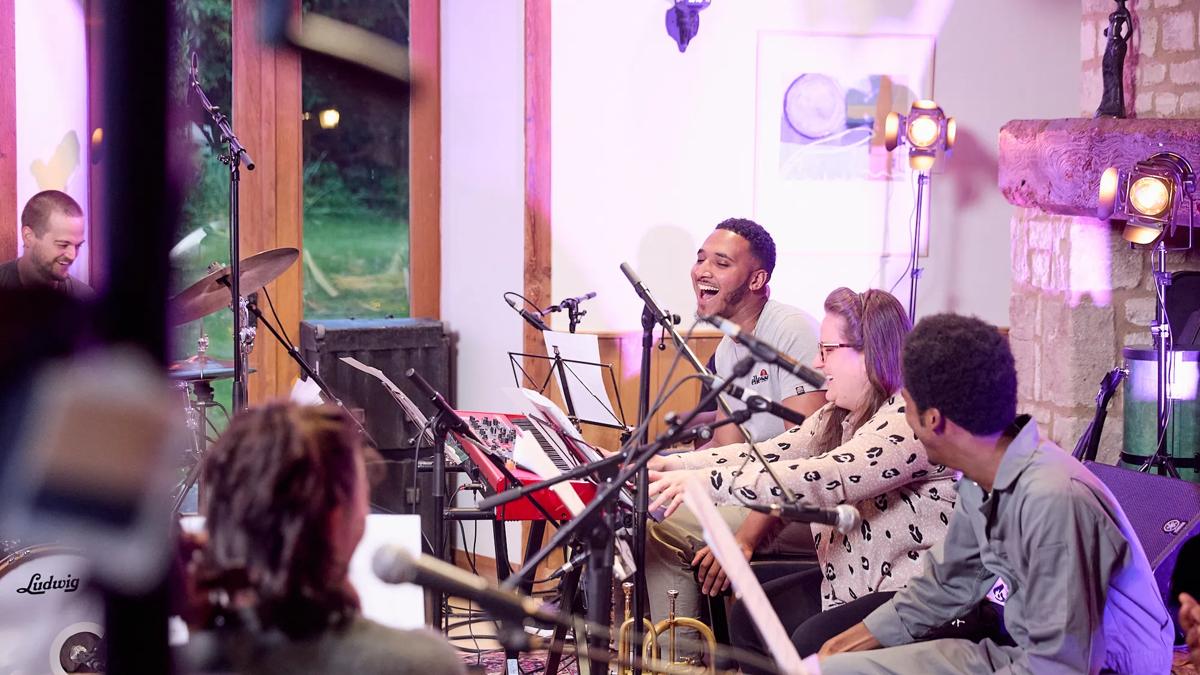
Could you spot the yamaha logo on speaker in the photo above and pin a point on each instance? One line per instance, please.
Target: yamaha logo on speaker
(37, 586)
(1174, 526)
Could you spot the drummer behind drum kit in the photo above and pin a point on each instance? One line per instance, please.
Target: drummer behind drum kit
(50, 618)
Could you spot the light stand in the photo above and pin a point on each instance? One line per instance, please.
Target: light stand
(930, 135)
(1161, 332)
(242, 336)
(1147, 198)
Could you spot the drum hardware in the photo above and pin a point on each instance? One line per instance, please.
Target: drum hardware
(194, 377)
(218, 288)
(651, 652)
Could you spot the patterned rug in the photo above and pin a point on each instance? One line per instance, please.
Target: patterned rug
(492, 663)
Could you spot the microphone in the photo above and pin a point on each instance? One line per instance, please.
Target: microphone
(759, 403)
(575, 561)
(766, 353)
(449, 416)
(534, 320)
(394, 565)
(566, 303)
(844, 518)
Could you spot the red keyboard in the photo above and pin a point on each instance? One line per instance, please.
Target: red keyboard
(496, 433)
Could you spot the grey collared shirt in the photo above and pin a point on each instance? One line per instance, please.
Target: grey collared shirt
(1081, 595)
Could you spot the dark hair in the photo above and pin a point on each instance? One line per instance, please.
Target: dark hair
(877, 324)
(271, 482)
(761, 243)
(39, 208)
(963, 367)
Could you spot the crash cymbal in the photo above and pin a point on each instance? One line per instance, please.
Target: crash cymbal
(200, 367)
(211, 293)
(193, 374)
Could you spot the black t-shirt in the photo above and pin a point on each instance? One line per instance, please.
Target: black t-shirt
(10, 278)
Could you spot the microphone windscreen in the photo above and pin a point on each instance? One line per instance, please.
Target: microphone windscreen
(394, 565)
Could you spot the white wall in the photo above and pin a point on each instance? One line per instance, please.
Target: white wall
(651, 147)
(51, 88)
(997, 61)
(483, 248)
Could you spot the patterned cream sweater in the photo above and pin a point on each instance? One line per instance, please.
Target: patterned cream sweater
(881, 469)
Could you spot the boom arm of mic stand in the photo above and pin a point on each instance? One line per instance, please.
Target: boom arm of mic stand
(236, 149)
(514, 494)
(639, 457)
(668, 326)
(305, 368)
(680, 344)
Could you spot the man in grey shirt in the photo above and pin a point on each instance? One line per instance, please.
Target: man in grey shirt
(1081, 595)
(730, 278)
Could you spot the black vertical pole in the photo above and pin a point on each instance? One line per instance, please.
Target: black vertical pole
(139, 210)
(640, 592)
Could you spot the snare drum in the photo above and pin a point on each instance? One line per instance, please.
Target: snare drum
(50, 619)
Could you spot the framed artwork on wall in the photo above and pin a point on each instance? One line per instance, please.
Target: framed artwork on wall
(835, 200)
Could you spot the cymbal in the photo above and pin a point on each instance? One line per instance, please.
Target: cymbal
(211, 293)
(194, 374)
(200, 367)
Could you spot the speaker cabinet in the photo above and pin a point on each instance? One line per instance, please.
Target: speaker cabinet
(1165, 514)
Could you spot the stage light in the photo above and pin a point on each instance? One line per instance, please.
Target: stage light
(329, 118)
(929, 134)
(1147, 196)
(926, 130)
(1150, 195)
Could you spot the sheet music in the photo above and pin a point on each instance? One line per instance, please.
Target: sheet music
(527, 453)
(745, 584)
(585, 382)
(411, 411)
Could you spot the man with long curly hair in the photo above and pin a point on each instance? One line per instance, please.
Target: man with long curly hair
(286, 506)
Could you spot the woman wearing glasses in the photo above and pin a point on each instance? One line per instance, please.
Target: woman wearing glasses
(857, 449)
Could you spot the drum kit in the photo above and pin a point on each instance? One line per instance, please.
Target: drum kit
(195, 374)
(47, 608)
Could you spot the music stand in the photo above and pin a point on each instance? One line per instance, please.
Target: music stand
(573, 383)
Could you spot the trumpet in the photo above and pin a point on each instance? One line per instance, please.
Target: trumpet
(651, 652)
(624, 635)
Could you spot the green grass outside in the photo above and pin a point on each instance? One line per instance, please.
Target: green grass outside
(356, 265)
(358, 268)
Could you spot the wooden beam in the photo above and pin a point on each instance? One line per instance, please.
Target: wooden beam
(8, 131)
(425, 161)
(537, 171)
(1055, 165)
(96, 237)
(266, 117)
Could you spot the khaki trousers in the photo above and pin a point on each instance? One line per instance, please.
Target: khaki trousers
(670, 547)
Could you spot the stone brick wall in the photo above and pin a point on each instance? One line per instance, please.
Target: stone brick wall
(1162, 66)
(1079, 293)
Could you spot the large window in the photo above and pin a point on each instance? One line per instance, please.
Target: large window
(204, 28)
(356, 186)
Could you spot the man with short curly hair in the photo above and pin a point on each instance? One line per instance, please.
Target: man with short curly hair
(731, 278)
(52, 232)
(1081, 595)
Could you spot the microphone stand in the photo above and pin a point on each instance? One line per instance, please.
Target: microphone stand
(236, 156)
(653, 314)
(595, 522)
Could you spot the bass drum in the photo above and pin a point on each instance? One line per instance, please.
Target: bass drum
(50, 618)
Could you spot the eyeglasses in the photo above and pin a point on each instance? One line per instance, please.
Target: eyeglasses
(826, 347)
